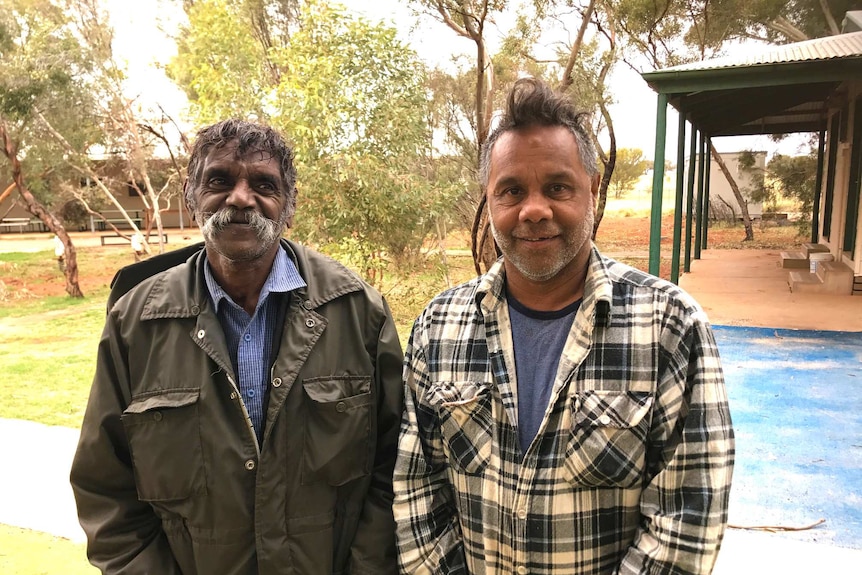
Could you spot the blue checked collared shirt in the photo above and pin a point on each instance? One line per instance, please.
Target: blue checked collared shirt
(250, 337)
(629, 473)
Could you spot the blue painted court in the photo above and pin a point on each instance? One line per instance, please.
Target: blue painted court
(796, 403)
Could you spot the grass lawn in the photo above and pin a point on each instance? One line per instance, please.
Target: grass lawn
(25, 552)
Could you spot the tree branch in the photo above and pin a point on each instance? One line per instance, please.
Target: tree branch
(446, 18)
(567, 80)
(783, 26)
(830, 19)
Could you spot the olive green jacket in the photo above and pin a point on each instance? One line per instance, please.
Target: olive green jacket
(169, 476)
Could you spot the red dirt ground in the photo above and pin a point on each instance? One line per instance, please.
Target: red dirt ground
(626, 238)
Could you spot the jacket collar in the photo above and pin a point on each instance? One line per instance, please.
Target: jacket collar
(182, 292)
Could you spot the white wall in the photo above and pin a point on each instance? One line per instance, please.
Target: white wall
(745, 179)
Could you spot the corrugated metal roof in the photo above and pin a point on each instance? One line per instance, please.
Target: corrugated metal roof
(836, 47)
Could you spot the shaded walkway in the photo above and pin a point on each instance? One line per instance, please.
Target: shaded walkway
(748, 287)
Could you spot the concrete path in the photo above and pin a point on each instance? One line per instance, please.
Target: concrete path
(34, 486)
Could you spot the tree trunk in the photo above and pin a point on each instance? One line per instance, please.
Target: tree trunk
(609, 164)
(743, 205)
(472, 24)
(86, 171)
(49, 219)
(482, 244)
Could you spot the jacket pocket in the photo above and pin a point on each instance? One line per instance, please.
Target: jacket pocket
(164, 436)
(337, 429)
(466, 420)
(608, 438)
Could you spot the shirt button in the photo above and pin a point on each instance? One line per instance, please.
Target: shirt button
(247, 337)
(605, 419)
(341, 407)
(276, 382)
(249, 464)
(522, 513)
(201, 334)
(309, 323)
(157, 416)
(522, 570)
(250, 393)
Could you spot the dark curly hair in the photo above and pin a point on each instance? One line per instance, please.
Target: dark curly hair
(249, 137)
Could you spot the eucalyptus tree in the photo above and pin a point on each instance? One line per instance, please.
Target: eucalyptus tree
(509, 39)
(671, 32)
(63, 103)
(352, 99)
(44, 77)
(631, 166)
(133, 133)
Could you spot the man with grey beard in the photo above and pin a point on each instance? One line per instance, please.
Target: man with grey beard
(244, 414)
(565, 413)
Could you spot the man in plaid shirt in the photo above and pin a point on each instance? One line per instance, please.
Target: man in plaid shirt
(565, 413)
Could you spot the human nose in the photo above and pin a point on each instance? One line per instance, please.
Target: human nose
(535, 208)
(241, 196)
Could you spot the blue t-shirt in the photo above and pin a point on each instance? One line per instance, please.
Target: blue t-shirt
(539, 338)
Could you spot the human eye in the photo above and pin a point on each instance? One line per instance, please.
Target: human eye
(509, 191)
(216, 180)
(560, 190)
(267, 187)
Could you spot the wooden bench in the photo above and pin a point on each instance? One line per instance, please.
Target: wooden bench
(120, 223)
(20, 223)
(114, 239)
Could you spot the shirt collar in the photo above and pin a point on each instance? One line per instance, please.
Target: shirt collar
(598, 288)
(283, 277)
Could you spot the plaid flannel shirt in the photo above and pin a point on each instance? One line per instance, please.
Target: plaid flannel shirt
(630, 471)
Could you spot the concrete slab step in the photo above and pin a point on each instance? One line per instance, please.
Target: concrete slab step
(803, 282)
(809, 248)
(794, 260)
(837, 277)
(830, 277)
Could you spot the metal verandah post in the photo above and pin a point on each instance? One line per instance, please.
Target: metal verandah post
(706, 176)
(677, 210)
(657, 186)
(689, 204)
(698, 227)
(818, 189)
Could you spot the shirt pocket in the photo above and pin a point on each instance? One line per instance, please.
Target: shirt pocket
(164, 434)
(337, 429)
(466, 421)
(609, 432)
